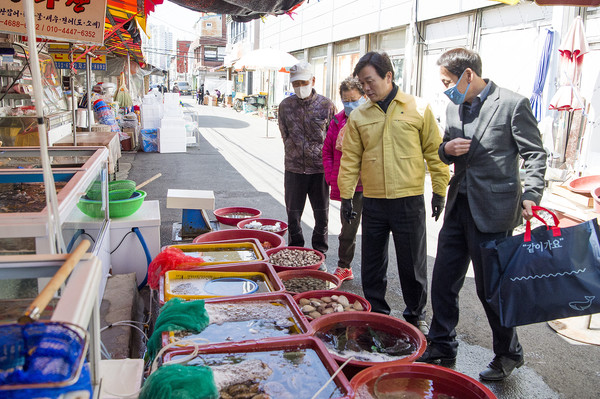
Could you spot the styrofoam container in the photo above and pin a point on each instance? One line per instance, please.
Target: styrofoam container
(172, 146)
(172, 133)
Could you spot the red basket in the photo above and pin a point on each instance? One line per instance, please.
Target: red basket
(322, 293)
(286, 268)
(274, 240)
(289, 274)
(443, 380)
(379, 321)
(221, 214)
(302, 324)
(279, 344)
(265, 222)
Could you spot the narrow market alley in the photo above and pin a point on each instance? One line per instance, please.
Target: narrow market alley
(235, 158)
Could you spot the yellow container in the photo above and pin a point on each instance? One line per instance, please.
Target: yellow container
(194, 288)
(222, 253)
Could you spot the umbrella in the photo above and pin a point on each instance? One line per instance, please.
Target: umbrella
(572, 50)
(266, 59)
(540, 77)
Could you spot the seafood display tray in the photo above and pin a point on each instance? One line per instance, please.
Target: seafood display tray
(300, 322)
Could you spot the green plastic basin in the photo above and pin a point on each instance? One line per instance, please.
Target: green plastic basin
(117, 208)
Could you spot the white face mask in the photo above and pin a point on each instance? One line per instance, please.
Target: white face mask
(303, 91)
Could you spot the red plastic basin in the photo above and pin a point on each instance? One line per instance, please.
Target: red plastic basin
(596, 195)
(221, 214)
(380, 322)
(274, 240)
(285, 268)
(265, 222)
(583, 185)
(322, 293)
(441, 380)
(334, 281)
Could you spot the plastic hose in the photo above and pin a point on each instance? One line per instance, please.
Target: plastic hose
(75, 237)
(139, 235)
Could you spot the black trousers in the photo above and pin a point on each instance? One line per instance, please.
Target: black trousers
(458, 243)
(347, 235)
(297, 187)
(405, 218)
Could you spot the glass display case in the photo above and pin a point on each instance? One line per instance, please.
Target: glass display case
(18, 125)
(23, 211)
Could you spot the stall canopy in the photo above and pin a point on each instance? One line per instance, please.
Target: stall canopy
(241, 10)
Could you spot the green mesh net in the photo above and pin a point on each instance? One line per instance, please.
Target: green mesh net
(177, 315)
(180, 382)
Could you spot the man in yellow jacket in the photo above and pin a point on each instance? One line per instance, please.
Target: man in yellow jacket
(387, 142)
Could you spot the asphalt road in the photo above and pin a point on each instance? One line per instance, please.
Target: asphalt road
(242, 163)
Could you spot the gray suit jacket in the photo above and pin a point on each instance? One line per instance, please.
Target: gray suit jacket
(505, 129)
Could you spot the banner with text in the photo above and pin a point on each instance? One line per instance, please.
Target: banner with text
(60, 55)
(80, 21)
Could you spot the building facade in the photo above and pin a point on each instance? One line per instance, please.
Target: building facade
(332, 35)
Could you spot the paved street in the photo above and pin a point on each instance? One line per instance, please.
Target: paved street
(243, 165)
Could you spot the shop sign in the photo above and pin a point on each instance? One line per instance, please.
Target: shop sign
(60, 55)
(80, 21)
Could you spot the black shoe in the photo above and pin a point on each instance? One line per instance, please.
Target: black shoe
(500, 368)
(433, 355)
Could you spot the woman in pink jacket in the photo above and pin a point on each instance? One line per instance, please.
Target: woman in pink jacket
(352, 96)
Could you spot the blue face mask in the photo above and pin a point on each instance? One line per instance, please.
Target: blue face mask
(349, 106)
(456, 96)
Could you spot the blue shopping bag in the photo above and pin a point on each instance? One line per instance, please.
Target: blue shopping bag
(544, 274)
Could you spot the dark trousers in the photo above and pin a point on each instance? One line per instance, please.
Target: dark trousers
(297, 187)
(347, 235)
(458, 243)
(405, 218)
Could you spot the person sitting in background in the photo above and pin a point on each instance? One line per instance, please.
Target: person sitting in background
(175, 88)
(352, 96)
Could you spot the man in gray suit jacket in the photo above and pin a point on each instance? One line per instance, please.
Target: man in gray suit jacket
(488, 129)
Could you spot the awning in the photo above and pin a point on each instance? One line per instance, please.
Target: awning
(242, 11)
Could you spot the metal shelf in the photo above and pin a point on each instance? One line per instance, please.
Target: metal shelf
(15, 96)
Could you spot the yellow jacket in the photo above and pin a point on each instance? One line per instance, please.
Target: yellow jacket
(388, 150)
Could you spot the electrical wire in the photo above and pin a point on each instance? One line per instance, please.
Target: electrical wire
(123, 239)
(184, 359)
(124, 324)
(104, 351)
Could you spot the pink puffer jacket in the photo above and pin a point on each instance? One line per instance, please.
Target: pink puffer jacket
(331, 156)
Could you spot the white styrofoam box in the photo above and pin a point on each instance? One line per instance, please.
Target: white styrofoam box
(171, 98)
(168, 121)
(190, 199)
(190, 140)
(169, 133)
(175, 145)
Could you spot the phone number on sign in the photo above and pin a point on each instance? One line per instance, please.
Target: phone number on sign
(67, 31)
(41, 28)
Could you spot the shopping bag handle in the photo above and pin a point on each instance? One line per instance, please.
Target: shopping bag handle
(555, 229)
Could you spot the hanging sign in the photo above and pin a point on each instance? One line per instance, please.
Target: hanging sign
(80, 21)
(60, 55)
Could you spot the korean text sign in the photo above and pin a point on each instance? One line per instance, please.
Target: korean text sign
(79, 21)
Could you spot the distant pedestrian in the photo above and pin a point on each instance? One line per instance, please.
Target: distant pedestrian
(352, 96)
(303, 121)
(201, 94)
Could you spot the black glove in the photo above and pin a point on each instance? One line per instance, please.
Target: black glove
(347, 213)
(437, 206)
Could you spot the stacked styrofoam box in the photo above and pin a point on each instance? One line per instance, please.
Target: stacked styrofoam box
(152, 111)
(172, 108)
(172, 135)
